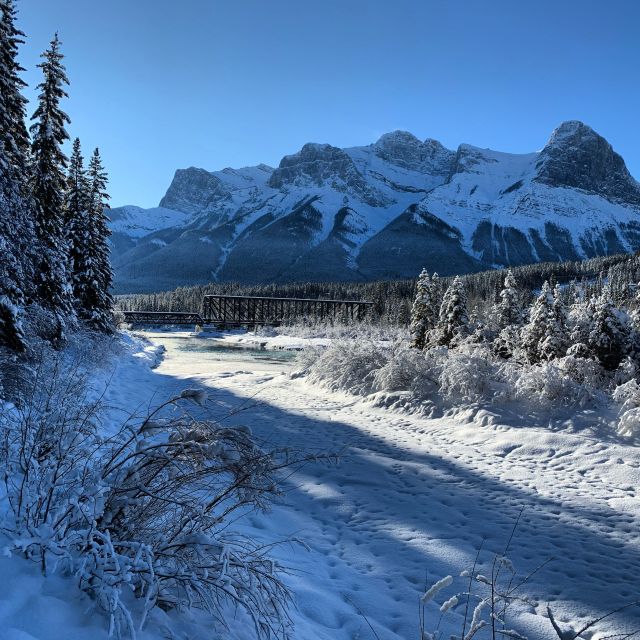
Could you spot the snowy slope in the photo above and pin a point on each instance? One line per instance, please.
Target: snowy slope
(136, 222)
(411, 501)
(385, 210)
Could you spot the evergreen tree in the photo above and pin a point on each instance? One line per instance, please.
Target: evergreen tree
(581, 316)
(555, 344)
(97, 302)
(48, 184)
(13, 129)
(76, 222)
(535, 332)
(453, 320)
(635, 308)
(424, 315)
(609, 336)
(420, 311)
(17, 237)
(509, 310)
(507, 317)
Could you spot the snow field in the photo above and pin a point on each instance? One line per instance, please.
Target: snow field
(410, 502)
(413, 498)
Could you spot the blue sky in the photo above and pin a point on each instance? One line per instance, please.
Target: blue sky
(161, 85)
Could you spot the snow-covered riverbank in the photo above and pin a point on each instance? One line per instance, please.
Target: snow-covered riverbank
(241, 338)
(410, 502)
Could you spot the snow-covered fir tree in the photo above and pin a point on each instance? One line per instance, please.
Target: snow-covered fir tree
(423, 312)
(556, 342)
(610, 332)
(17, 236)
(13, 113)
(48, 184)
(76, 222)
(97, 302)
(634, 313)
(508, 311)
(507, 317)
(536, 331)
(581, 314)
(453, 319)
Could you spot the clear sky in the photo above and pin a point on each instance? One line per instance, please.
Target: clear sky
(160, 85)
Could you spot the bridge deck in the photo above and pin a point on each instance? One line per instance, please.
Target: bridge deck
(230, 309)
(253, 310)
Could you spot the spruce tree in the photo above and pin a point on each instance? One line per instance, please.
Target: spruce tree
(420, 311)
(609, 336)
(507, 317)
(97, 304)
(17, 237)
(535, 332)
(424, 313)
(76, 222)
(48, 184)
(508, 311)
(555, 344)
(13, 129)
(453, 320)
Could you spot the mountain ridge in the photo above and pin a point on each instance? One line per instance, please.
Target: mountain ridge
(383, 210)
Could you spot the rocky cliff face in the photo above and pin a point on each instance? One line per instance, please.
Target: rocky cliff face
(383, 211)
(577, 157)
(194, 191)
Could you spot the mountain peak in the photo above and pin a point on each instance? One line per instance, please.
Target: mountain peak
(192, 190)
(320, 166)
(577, 156)
(397, 136)
(403, 149)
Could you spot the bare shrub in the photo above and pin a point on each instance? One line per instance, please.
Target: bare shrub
(485, 595)
(144, 513)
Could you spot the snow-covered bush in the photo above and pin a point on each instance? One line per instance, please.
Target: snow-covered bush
(566, 382)
(141, 516)
(321, 328)
(466, 375)
(407, 369)
(349, 365)
(627, 397)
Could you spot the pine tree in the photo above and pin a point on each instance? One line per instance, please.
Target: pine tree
(13, 113)
(509, 309)
(507, 317)
(17, 236)
(609, 336)
(97, 303)
(48, 184)
(453, 320)
(535, 332)
(76, 222)
(555, 344)
(420, 311)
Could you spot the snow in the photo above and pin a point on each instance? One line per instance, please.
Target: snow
(137, 222)
(409, 503)
(413, 495)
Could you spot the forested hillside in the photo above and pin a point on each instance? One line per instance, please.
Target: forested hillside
(393, 299)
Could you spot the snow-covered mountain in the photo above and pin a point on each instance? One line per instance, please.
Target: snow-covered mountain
(382, 211)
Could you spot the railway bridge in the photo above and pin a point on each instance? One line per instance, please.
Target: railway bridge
(235, 311)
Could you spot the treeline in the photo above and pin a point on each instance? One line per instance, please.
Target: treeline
(54, 267)
(581, 321)
(393, 300)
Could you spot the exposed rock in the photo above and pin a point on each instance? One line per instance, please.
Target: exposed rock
(194, 191)
(576, 156)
